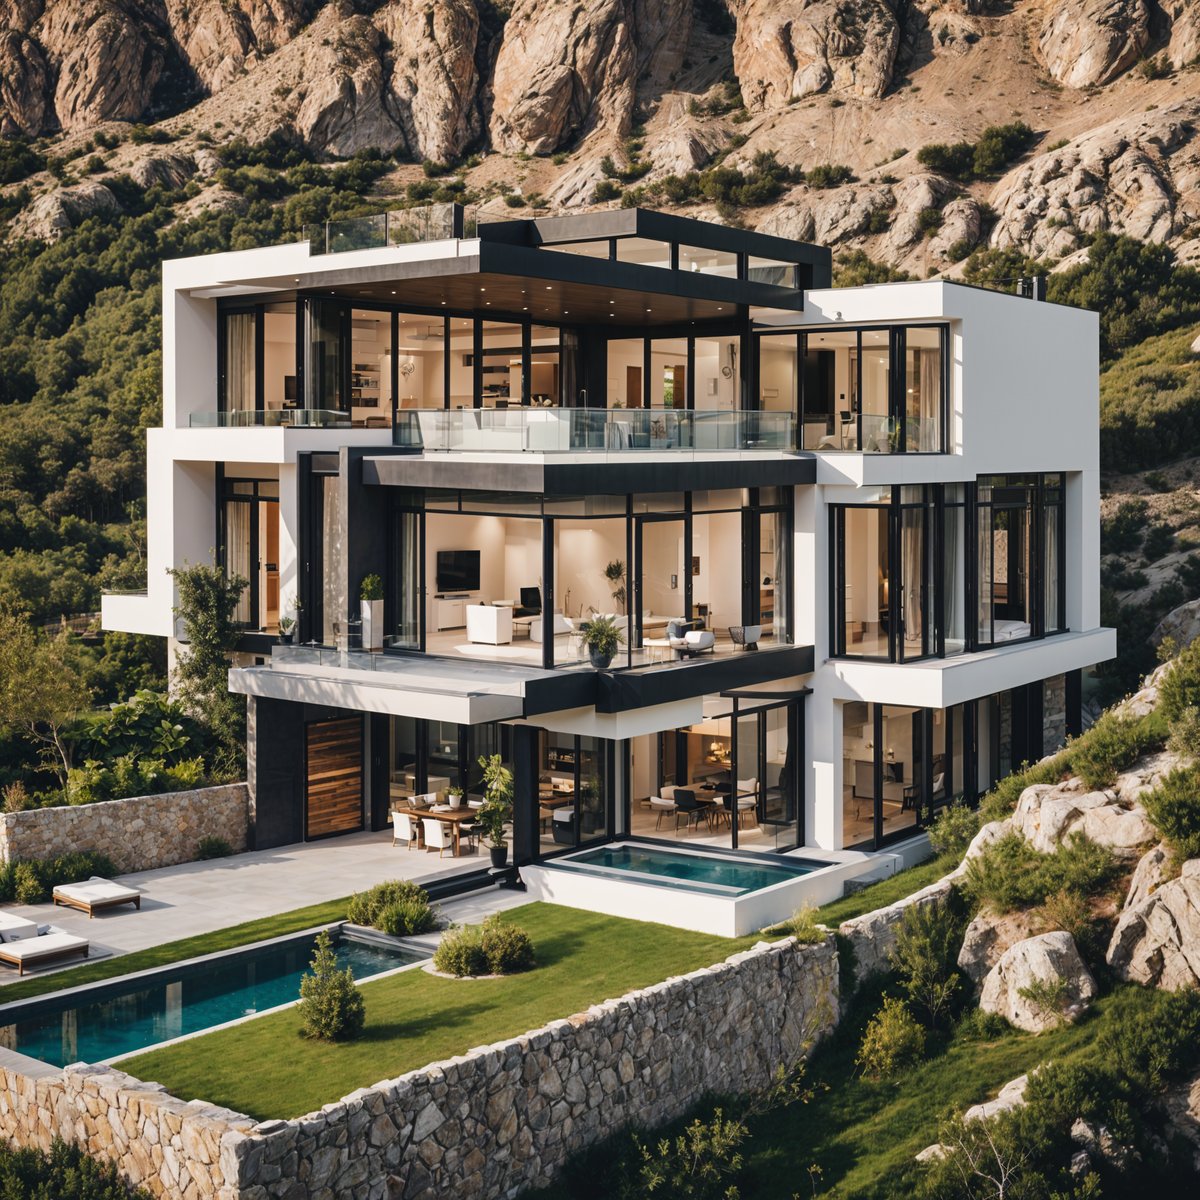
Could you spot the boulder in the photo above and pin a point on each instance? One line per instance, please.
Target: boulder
(1145, 775)
(1049, 958)
(987, 938)
(1145, 699)
(934, 1153)
(1182, 1104)
(962, 224)
(792, 219)
(993, 831)
(1152, 871)
(783, 52)
(1011, 1095)
(1182, 623)
(563, 70)
(172, 171)
(1184, 47)
(1157, 941)
(847, 211)
(1088, 42)
(1046, 814)
(913, 196)
(58, 212)
(873, 935)
(1122, 830)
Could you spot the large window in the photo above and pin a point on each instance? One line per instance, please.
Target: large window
(701, 371)
(876, 391)
(248, 547)
(1018, 580)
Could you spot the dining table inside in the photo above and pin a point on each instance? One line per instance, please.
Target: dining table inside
(455, 818)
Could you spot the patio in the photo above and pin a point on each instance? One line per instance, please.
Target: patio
(200, 897)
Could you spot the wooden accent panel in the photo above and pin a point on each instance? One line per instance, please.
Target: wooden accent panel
(334, 777)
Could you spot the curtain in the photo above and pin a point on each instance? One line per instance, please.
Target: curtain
(781, 576)
(237, 554)
(983, 574)
(1053, 618)
(332, 595)
(952, 579)
(408, 593)
(931, 399)
(239, 362)
(912, 577)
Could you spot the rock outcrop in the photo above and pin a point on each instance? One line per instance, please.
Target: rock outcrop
(1048, 961)
(872, 937)
(59, 211)
(1010, 1096)
(1117, 178)
(434, 82)
(1047, 815)
(783, 52)
(988, 937)
(563, 70)
(1182, 624)
(24, 85)
(1153, 870)
(1093, 41)
(1157, 941)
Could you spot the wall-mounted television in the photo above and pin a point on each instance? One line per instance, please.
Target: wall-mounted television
(458, 570)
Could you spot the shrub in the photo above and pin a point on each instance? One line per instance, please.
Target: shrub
(1153, 1048)
(406, 902)
(1048, 997)
(331, 1006)
(1184, 737)
(1081, 866)
(606, 189)
(892, 1043)
(953, 829)
(1011, 874)
(1158, 542)
(828, 175)
(803, 926)
(1122, 533)
(697, 1163)
(27, 884)
(998, 145)
(64, 1172)
(929, 221)
(507, 947)
(405, 917)
(461, 953)
(926, 957)
(1112, 744)
(31, 881)
(976, 1025)
(955, 160)
(1180, 686)
(1001, 801)
(213, 847)
(1174, 807)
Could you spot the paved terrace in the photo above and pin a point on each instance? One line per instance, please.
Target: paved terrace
(200, 897)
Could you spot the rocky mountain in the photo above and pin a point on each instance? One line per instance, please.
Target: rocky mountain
(537, 93)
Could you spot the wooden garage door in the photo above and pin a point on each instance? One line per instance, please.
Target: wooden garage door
(334, 781)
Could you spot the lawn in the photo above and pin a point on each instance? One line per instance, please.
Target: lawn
(886, 891)
(171, 952)
(266, 1069)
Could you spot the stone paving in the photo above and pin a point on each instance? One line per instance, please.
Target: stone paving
(199, 897)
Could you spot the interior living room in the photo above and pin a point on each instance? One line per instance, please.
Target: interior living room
(674, 575)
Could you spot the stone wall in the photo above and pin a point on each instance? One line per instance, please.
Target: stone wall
(137, 834)
(489, 1123)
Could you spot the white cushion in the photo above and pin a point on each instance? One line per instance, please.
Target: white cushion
(699, 639)
(561, 625)
(97, 889)
(34, 948)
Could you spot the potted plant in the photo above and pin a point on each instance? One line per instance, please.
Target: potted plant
(370, 593)
(602, 637)
(454, 797)
(615, 574)
(287, 623)
(496, 813)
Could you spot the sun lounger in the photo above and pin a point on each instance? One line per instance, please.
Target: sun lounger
(95, 894)
(36, 950)
(16, 929)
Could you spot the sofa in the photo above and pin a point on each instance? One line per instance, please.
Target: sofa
(561, 625)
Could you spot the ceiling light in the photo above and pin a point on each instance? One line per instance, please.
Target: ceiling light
(549, 288)
(483, 289)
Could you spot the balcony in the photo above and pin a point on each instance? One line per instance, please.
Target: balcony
(274, 418)
(398, 227)
(593, 431)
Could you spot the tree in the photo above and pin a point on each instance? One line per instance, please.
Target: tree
(331, 1006)
(926, 957)
(207, 601)
(42, 689)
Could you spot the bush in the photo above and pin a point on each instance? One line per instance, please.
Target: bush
(461, 953)
(64, 1172)
(828, 175)
(213, 847)
(953, 829)
(1152, 1049)
(508, 948)
(803, 926)
(406, 905)
(30, 881)
(1112, 744)
(405, 917)
(955, 160)
(926, 957)
(331, 1006)
(1010, 874)
(606, 189)
(1180, 686)
(1048, 997)
(1001, 801)
(976, 1025)
(1158, 542)
(892, 1043)
(27, 884)
(1174, 807)
(1184, 739)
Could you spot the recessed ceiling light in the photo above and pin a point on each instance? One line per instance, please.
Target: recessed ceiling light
(649, 310)
(549, 288)
(483, 289)
(393, 292)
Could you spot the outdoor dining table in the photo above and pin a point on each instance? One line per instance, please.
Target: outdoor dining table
(454, 817)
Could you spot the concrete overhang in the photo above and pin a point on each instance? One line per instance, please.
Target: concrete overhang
(943, 682)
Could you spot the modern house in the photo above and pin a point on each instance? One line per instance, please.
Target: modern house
(850, 536)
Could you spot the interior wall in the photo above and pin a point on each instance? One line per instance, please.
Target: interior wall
(777, 373)
(279, 355)
(714, 390)
(522, 557)
(582, 550)
(622, 354)
(485, 534)
(370, 346)
(717, 542)
(662, 557)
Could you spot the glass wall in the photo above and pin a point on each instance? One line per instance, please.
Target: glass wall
(371, 367)
(248, 547)
(324, 382)
(702, 372)
(574, 790)
(626, 373)
(880, 391)
(718, 379)
(421, 366)
(241, 362)
(954, 569)
(862, 578)
(668, 373)
(644, 251)
(279, 357)
(707, 262)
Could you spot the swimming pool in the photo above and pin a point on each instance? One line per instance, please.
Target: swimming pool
(118, 1018)
(712, 873)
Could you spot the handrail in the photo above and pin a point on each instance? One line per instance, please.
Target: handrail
(272, 418)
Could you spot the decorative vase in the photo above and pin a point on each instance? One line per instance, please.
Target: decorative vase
(599, 659)
(499, 855)
(285, 639)
(372, 624)
(455, 800)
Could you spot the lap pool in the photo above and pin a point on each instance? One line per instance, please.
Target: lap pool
(718, 892)
(110, 1020)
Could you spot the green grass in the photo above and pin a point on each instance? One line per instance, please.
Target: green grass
(886, 891)
(266, 1069)
(171, 952)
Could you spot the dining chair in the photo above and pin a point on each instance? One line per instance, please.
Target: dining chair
(402, 829)
(437, 836)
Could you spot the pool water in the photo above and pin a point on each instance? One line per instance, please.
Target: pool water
(697, 872)
(188, 1000)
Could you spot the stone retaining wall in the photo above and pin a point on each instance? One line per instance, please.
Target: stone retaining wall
(487, 1124)
(138, 834)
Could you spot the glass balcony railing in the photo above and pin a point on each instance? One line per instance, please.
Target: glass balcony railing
(592, 430)
(398, 227)
(273, 418)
